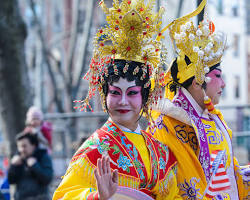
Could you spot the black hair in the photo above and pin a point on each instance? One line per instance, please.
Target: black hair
(174, 84)
(129, 75)
(29, 136)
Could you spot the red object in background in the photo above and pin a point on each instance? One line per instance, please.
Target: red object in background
(1, 173)
(211, 27)
(46, 130)
(5, 162)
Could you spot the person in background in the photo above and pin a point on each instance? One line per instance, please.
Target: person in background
(36, 125)
(4, 187)
(30, 169)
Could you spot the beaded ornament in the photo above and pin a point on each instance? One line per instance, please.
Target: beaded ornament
(132, 33)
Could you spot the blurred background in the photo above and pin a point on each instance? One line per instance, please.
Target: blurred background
(45, 49)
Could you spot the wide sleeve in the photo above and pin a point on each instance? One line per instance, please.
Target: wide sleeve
(181, 140)
(242, 180)
(162, 128)
(173, 190)
(78, 182)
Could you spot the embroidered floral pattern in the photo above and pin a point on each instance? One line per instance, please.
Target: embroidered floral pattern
(181, 133)
(159, 124)
(163, 150)
(112, 129)
(159, 157)
(189, 189)
(186, 137)
(94, 142)
(124, 163)
(247, 197)
(142, 177)
(103, 146)
(125, 157)
(154, 165)
(192, 139)
(132, 151)
(223, 196)
(162, 163)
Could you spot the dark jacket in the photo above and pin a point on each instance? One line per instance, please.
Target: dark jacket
(32, 181)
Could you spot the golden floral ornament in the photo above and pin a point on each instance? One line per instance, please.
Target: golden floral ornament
(125, 69)
(131, 27)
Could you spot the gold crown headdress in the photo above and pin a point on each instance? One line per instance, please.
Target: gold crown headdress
(132, 34)
(198, 48)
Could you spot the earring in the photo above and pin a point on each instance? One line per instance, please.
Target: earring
(209, 104)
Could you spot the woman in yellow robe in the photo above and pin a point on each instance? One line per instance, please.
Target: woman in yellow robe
(120, 160)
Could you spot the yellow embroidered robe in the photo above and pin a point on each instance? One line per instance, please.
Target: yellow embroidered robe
(143, 164)
(181, 138)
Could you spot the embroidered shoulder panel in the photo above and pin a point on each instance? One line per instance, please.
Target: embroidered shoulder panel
(162, 160)
(111, 141)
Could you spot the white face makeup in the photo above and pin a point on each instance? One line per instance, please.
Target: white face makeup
(215, 86)
(124, 103)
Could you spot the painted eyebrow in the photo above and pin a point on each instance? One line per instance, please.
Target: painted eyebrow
(127, 89)
(133, 86)
(218, 69)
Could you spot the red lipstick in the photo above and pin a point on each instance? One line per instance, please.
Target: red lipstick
(123, 111)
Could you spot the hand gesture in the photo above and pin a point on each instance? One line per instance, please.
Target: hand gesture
(28, 129)
(16, 160)
(106, 180)
(31, 161)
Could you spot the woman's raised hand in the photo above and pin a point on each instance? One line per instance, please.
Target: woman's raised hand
(107, 181)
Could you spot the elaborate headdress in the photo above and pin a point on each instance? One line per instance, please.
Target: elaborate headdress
(198, 48)
(132, 34)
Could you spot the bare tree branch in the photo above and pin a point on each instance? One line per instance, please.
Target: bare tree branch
(85, 43)
(46, 57)
(72, 46)
(59, 37)
(58, 66)
(15, 88)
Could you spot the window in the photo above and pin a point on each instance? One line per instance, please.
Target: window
(235, 11)
(220, 7)
(236, 45)
(236, 86)
(235, 8)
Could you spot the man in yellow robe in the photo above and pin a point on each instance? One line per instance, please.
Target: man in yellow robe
(186, 119)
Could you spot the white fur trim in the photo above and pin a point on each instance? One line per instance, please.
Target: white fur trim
(166, 107)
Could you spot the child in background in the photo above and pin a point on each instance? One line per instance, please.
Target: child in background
(36, 125)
